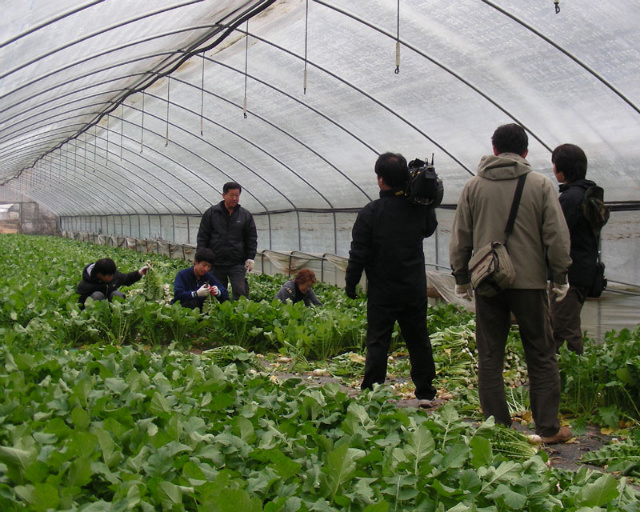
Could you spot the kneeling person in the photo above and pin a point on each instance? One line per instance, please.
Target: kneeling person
(194, 284)
(300, 289)
(101, 280)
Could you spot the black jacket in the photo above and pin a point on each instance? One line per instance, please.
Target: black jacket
(387, 245)
(90, 283)
(584, 245)
(232, 238)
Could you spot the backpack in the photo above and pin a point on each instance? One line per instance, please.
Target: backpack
(424, 186)
(594, 210)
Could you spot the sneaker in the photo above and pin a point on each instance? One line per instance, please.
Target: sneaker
(562, 436)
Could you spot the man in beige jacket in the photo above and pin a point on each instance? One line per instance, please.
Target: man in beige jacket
(540, 236)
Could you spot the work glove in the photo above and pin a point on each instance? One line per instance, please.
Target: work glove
(249, 264)
(214, 291)
(351, 292)
(203, 291)
(464, 291)
(560, 290)
(143, 270)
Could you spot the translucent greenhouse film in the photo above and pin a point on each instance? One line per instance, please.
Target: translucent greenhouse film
(125, 118)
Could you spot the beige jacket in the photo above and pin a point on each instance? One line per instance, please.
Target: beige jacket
(540, 229)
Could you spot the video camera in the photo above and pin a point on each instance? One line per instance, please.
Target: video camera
(423, 186)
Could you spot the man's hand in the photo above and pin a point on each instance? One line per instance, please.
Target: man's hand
(560, 290)
(249, 264)
(203, 291)
(350, 292)
(464, 291)
(214, 291)
(143, 270)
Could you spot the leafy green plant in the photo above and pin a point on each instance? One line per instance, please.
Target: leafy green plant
(120, 428)
(604, 383)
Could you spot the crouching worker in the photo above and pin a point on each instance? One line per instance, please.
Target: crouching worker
(300, 289)
(194, 284)
(101, 280)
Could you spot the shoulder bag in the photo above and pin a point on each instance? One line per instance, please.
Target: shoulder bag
(490, 267)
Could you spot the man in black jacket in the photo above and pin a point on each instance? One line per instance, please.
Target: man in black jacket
(570, 168)
(230, 232)
(101, 280)
(386, 244)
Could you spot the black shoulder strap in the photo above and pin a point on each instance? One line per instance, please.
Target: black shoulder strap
(514, 207)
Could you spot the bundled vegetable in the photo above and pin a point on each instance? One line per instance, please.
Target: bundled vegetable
(153, 287)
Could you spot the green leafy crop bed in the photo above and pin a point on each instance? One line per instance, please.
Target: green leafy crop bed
(140, 405)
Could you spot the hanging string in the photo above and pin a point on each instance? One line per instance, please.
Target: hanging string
(398, 42)
(166, 137)
(202, 99)
(95, 143)
(306, 33)
(246, 66)
(557, 4)
(106, 153)
(142, 125)
(121, 128)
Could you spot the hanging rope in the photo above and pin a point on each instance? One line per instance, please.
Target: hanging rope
(142, 125)
(398, 41)
(202, 98)
(557, 4)
(121, 128)
(106, 152)
(166, 137)
(246, 68)
(306, 33)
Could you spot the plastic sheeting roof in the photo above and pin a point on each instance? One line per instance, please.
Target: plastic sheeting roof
(124, 106)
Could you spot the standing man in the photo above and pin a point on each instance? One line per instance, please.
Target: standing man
(387, 245)
(540, 234)
(570, 169)
(230, 232)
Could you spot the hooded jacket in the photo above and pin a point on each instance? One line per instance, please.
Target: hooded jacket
(540, 232)
(232, 238)
(90, 283)
(584, 244)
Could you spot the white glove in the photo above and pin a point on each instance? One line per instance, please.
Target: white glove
(464, 291)
(203, 291)
(249, 265)
(143, 270)
(560, 290)
(214, 291)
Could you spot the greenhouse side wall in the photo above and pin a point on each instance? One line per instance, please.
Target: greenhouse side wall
(320, 241)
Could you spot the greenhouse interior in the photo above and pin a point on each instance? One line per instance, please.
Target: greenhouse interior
(121, 120)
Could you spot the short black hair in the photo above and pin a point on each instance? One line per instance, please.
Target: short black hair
(510, 138)
(105, 266)
(204, 254)
(229, 185)
(392, 167)
(571, 161)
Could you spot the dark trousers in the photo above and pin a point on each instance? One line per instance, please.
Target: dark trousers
(412, 319)
(234, 274)
(493, 322)
(565, 319)
(101, 296)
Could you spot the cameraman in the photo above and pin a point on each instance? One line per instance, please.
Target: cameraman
(387, 245)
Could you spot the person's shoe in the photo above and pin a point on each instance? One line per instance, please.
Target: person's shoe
(562, 436)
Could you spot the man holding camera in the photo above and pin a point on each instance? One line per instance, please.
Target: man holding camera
(386, 244)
